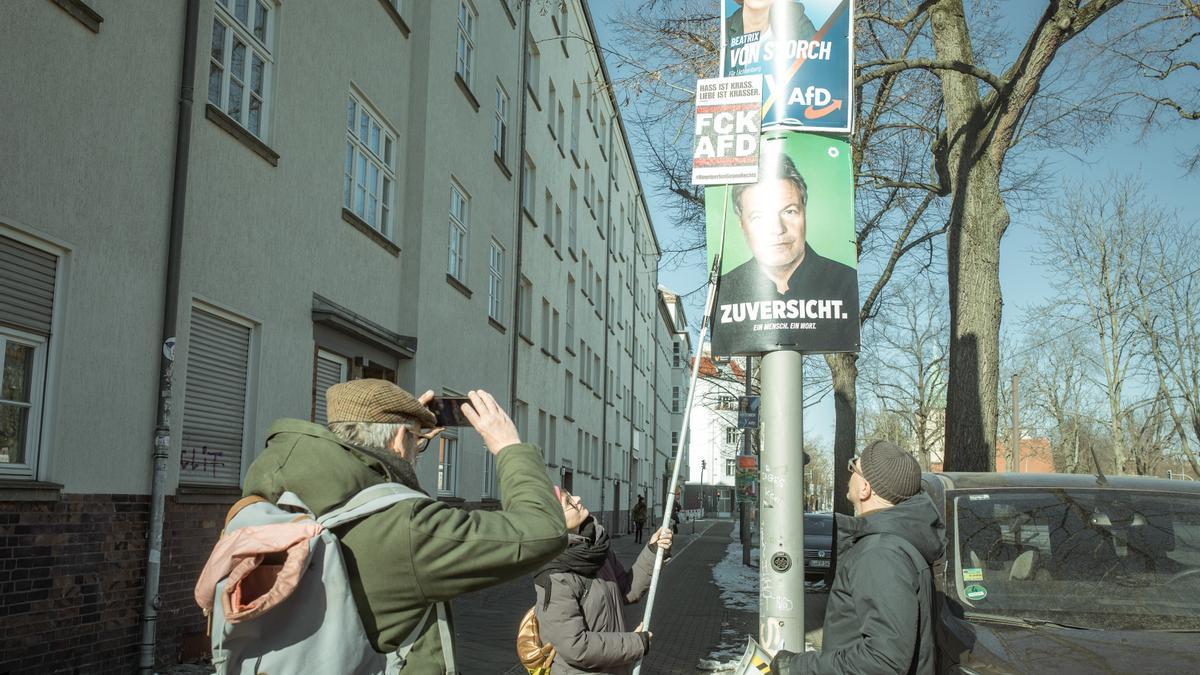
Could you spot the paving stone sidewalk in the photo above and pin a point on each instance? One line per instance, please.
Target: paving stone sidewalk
(686, 622)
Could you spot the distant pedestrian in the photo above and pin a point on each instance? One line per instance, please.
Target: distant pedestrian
(580, 594)
(676, 515)
(420, 552)
(639, 519)
(878, 618)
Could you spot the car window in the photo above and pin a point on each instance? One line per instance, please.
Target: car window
(819, 525)
(1108, 557)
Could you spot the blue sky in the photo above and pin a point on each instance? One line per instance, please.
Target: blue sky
(1155, 158)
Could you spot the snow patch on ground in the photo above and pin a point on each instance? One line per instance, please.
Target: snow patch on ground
(738, 583)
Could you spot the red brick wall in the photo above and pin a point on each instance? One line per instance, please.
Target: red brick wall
(71, 575)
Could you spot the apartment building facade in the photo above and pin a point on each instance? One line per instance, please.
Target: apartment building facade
(439, 194)
(714, 437)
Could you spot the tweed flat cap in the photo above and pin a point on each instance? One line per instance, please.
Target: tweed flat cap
(893, 473)
(377, 401)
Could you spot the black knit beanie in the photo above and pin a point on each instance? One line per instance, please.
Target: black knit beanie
(893, 473)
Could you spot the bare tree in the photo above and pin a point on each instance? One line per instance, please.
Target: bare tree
(904, 367)
(1173, 336)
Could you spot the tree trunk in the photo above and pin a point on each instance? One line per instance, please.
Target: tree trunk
(844, 368)
(978, 219)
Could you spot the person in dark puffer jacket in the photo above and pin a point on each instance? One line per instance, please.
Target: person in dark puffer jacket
(580, 594)
(878, 620)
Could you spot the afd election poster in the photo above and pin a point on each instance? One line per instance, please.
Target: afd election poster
(725, 148)
(804, 52)
(789, 278)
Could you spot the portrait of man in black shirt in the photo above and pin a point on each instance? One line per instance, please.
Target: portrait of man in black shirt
(787, 296)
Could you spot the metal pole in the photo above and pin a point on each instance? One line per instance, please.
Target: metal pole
(744, 506)
(1015, 442)
(781, 480)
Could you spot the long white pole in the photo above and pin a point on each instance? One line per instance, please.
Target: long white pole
(713, 277)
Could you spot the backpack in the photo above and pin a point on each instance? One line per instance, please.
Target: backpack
(278, 598)
(535, 656)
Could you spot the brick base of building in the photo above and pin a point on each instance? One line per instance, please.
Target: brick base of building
(72, 582)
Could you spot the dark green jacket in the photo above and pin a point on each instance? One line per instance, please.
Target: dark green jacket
(879, 620)
(420, 551)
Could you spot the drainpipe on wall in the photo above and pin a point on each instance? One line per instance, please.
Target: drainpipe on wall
(633, 421)
(604, 458)
(162, 425)
(521, 177)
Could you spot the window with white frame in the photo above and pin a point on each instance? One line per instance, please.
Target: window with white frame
(496, 281)
(546, 325)
(328, 369)
(676, 354)
(500, 130)
(216, 398)
(521, 419)
(587, 181)
(525, 300)
(554, 334)
(569, 395)
(465, 61)
(551, 109)
(459, 226)
(23, 358)
(548, 223)
(447, 470)
(730, 467)
(675, 402)
(239, 68)
(570, 319)
(542, 431)
(369, 173)
(560, 124)
(558, 224)
(674, 442)
(529, 189)
(490, 489)
(573, 218)
(27, 305)
(552, 440)
(731, 435)
(575, 112)
(533, 62)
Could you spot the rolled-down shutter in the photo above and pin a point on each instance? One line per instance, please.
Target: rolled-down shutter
(26, 286)
(214, 407)
(330, 370)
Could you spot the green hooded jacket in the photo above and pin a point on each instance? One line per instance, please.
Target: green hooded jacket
(420, 551)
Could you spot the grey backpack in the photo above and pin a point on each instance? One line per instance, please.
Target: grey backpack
(278, 597)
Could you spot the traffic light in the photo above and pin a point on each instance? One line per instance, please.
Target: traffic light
(702, 463)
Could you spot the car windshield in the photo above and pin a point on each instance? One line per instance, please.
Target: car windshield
(1092, 558)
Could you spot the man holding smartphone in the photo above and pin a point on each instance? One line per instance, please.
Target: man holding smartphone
(419, 552)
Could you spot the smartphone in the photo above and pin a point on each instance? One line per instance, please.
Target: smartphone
(448, 411)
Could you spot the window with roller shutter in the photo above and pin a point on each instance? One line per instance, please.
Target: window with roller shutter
(215, 399)
(27, 284)
(328, 370)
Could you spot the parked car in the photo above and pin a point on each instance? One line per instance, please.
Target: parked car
(1057, 573)
(818, 547)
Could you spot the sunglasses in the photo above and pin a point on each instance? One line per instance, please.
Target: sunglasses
(423, 440)
(850, 466)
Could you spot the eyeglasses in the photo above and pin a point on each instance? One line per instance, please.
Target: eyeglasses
(424, 438)
(850, 466)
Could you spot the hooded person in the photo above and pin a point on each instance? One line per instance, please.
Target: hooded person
(403, 560)
(879, 616)
(581, 592)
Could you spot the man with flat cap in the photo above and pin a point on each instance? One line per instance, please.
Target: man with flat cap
(879, 614)
(419, 552)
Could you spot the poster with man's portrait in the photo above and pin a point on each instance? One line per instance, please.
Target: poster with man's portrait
(805, 54)
(789, 278)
